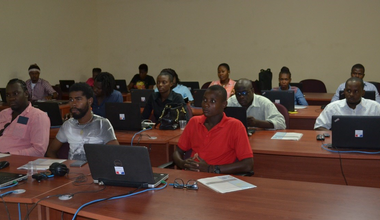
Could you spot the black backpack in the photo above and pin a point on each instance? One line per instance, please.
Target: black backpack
(265, 79)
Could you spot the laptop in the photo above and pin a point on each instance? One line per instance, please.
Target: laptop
(285, 98)
(367, 95)
(65, 85)
(124, 116)
(140, 96)
(119, 165)
(198, 97)
(240, 114)
(3, 95)
(9, 178)
(192, 85)
(355, 132)
(52, 110)
(298, 85)
(121, 85)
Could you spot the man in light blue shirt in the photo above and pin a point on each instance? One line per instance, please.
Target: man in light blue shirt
(357, 70)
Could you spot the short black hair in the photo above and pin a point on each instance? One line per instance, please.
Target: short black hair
(108, 82)
(96, 70)
(166, 73)
(225, 65)
(173, 73)
(221, 89)
(285, 70)
(358, 66)
(84, 88)
(354, 79)
(21, 82)
(34, 66)
(143, 67)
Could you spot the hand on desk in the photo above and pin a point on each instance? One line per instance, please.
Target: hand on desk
(196, 164)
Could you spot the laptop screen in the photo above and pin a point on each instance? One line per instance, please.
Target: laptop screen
(355, 132)
(285, 98)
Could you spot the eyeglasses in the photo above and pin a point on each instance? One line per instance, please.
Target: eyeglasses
(5, 126)
(179, 184)
(243, 93)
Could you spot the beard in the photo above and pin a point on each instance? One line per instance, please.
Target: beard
(82, 112)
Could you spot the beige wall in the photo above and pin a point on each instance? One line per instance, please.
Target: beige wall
(315, 39)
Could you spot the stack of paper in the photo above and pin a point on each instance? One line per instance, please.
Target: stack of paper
(287, 136)
(225, 184)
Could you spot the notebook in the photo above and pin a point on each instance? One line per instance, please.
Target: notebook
(140, 96)
(355, 132)
(3, 94)
(9, 178)
(240, 114)
(124, 116)
(192, 85)
(198, 97)
(285, 98)
(52, 110)
(119, 165)
(121, 85)
(367, 95)
(65, 85)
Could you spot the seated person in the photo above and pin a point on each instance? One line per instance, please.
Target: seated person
(104, 92)
(284, 79)
(142, 80)
(95, 72)
(224, 79)
(39, 89)
(165, 95)
(219, 143)
(178, 87)
(353, 104)
(24, 130)
(357, 70)
(261, 112)
(84, 127)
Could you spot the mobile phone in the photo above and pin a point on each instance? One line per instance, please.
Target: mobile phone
(320, 137)
(78, 163)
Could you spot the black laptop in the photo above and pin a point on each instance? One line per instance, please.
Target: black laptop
(140, 96)
(192, 85)
(3, 93)
(367, 95)
(52, 110)
(240, 114)
(355, 132)
(9, 178)
(121, 85)
(298, 85)
(124, 116)
(198, 97)
(122, 166)
(65, 85)
(285, 98)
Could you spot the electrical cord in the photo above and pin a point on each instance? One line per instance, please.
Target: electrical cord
(138, 133)
(118, 197)
(349, 151)
(15, 183)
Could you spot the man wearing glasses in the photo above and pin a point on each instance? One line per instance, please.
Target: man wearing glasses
(261, 112)
(24, 130)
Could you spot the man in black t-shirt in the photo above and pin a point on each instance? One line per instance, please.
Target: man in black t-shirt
(142, 80)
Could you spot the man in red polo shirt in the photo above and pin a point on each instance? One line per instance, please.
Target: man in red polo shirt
(219, 143)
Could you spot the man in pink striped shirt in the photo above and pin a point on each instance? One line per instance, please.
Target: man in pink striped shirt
(39, 89)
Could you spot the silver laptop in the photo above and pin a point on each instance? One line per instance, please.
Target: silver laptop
(10, 178)
(355, 132)
(119, 165)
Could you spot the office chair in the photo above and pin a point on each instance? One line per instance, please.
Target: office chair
(284, 112)
(313, 85)
(206, 85)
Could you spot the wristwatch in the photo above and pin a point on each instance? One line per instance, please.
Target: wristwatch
(216, 169)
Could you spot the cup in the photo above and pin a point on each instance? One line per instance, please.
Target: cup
(32, 168)
(182, 124)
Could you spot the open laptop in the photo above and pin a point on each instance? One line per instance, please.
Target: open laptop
(192, 85)
(140, 96)
(367, 95)
(52, 110)
(9, 178)
(122, 166)
(285, 98)
(198, 97)
(124, 116)
(65, 85)
(121, 85)
(355, 132)
(240, 114)
(3, 94)
(298, 85)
